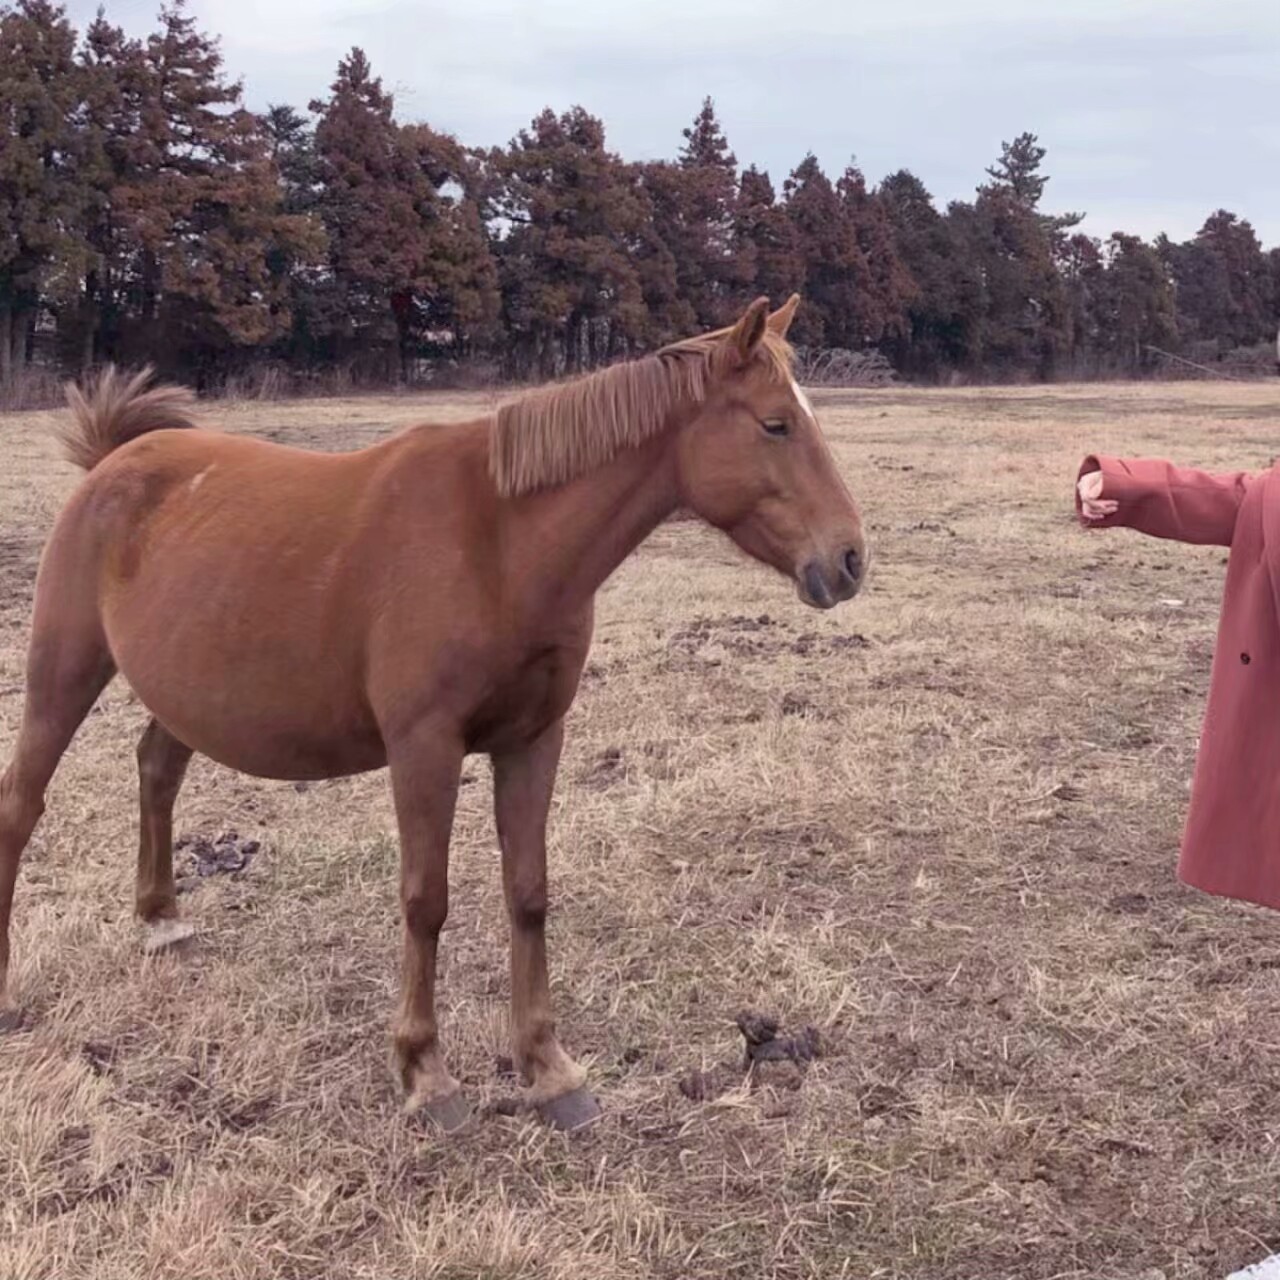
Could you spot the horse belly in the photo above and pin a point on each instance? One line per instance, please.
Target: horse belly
(271, 692)
(268, 737)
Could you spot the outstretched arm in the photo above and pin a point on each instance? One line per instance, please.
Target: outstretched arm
(1160, 499)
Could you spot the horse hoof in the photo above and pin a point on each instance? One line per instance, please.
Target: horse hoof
(448, 1114)
(570, 1111)
(166, 935)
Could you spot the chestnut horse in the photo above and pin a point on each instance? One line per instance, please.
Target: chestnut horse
(300, 615)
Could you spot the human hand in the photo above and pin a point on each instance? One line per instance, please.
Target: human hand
(1092, 504)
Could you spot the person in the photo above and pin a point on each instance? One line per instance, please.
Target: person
(1231, 840)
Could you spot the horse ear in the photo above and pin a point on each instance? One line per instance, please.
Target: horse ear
(746, 335)
(781, 319)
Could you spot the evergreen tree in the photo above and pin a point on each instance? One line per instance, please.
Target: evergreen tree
(117, 85)
(882, 304)
(699, 224)
(1136, 309)
(1023, 319)
(765, 239)
(1224, 289)
(1017, 173)
(1081, 265)
(456, 290)
(40, 193)
(837, 280)
(572, 293)
(664, 256)
(938, 328)
(372, 190)
(201, 198)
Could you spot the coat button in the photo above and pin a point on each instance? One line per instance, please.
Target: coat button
(1244, 657)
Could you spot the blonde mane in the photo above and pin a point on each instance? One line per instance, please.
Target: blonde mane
(559, 432)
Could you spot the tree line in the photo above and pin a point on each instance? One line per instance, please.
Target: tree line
(147, 214)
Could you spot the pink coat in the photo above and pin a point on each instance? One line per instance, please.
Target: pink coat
(1231, 844)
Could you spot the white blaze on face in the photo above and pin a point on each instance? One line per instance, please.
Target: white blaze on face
(798, 391)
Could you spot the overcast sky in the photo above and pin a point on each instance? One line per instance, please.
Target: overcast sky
(1154, 112)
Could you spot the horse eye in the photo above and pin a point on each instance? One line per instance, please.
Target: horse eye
(775, 426)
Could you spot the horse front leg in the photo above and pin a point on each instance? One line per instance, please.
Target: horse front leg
(523, 782)
(425, 768)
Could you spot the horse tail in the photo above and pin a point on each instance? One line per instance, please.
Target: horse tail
(114, 408)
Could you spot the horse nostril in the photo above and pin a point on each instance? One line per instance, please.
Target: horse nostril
(853, 564)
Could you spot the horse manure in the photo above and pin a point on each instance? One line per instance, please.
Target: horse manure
(225, 854)
(764, 1044)
(757, 1028)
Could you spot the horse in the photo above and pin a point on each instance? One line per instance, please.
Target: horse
(297, 615)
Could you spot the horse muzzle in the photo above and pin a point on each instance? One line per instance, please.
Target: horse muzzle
(826, 582)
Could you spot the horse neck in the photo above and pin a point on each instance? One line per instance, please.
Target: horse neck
(565, 542)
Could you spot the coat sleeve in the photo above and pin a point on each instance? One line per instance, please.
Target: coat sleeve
(1165, 501)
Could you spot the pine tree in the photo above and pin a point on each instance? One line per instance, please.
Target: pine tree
(41, 199)
(661, 257)
(1081, 265)
(572, 294)
(409, 264)
(1024, 317)
(889, 287)
(201, 199)
(693, 209)
(711, 172)
(1018, 169)
(1017, 174)
(117, 86)
(1025, 320)
(1223, 284)
(1273, 262)
(456, 289)
(765, 239)
(940, 315)
(369, 204)
(1136, 308)
(291, 137)
(837, 279)
(291, 140)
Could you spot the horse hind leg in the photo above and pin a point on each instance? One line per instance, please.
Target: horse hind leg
(67, 668)
(162, 765)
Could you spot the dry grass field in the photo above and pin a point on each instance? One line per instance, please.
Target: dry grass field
(939, 825)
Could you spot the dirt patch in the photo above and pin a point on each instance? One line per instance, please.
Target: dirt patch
(607, 770)
(756, 637)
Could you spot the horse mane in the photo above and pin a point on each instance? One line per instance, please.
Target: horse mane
(562, 431)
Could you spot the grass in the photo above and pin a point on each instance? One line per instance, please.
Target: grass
(939, 825)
